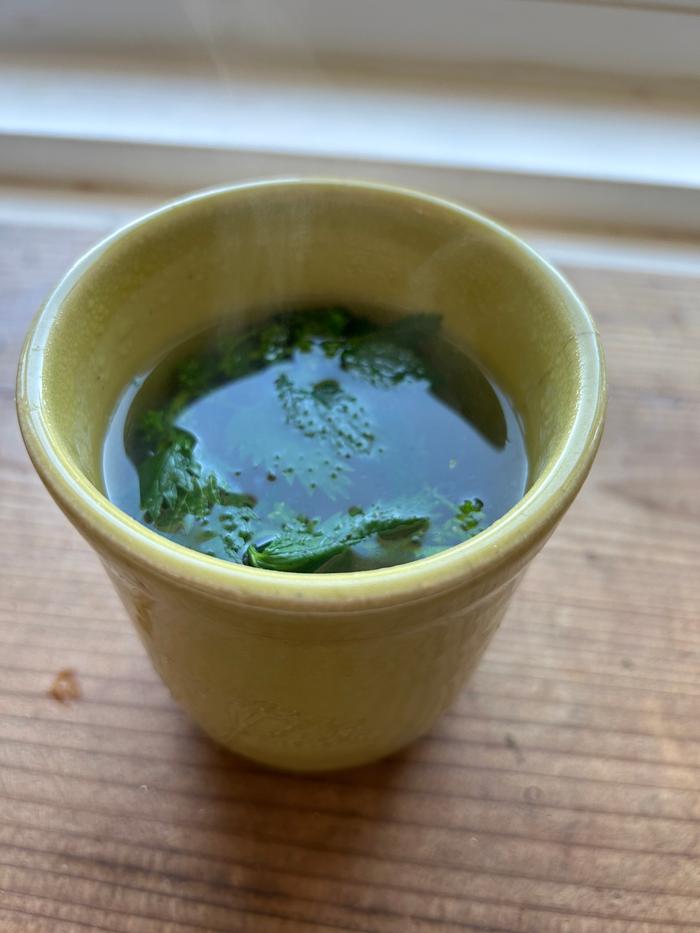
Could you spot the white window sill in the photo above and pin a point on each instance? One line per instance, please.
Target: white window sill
(535, 152)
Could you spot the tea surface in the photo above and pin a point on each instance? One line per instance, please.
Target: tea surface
(319, 441)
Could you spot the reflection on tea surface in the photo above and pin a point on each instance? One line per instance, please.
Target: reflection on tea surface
(319, 441)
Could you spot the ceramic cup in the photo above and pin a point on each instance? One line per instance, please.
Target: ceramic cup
(311, 672)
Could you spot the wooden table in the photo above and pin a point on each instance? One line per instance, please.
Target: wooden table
(560, 794)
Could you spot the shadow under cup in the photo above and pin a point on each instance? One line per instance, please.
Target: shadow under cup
(311, 671)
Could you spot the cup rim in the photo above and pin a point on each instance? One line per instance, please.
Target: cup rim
(510, 539)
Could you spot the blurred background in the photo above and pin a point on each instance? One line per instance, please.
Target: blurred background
(564, 111)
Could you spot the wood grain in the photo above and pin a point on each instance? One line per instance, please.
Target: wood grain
(560, 794)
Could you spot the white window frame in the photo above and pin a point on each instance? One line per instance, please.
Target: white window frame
(649, 39)
(581, 110)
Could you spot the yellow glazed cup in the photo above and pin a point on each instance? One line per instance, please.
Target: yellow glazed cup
(311, 672)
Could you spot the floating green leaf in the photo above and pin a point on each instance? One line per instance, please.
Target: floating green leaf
(305, 551)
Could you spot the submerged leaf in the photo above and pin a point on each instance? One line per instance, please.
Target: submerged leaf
(388, 356)
(470, 515)
(383, 364)
(172, 485)
(327, 414)
(168, 475)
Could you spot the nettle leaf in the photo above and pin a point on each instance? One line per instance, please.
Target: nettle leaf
(320, 324)
(383, 364)
(287, 453)
(172, 485)
(226, 531)
(470, 515)
(388, 356)
(154, 427)
(279, 338)
(461, 523)
(169, 474)
(196, 375)
(329, 427)
(327, 414)
(305, 551)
